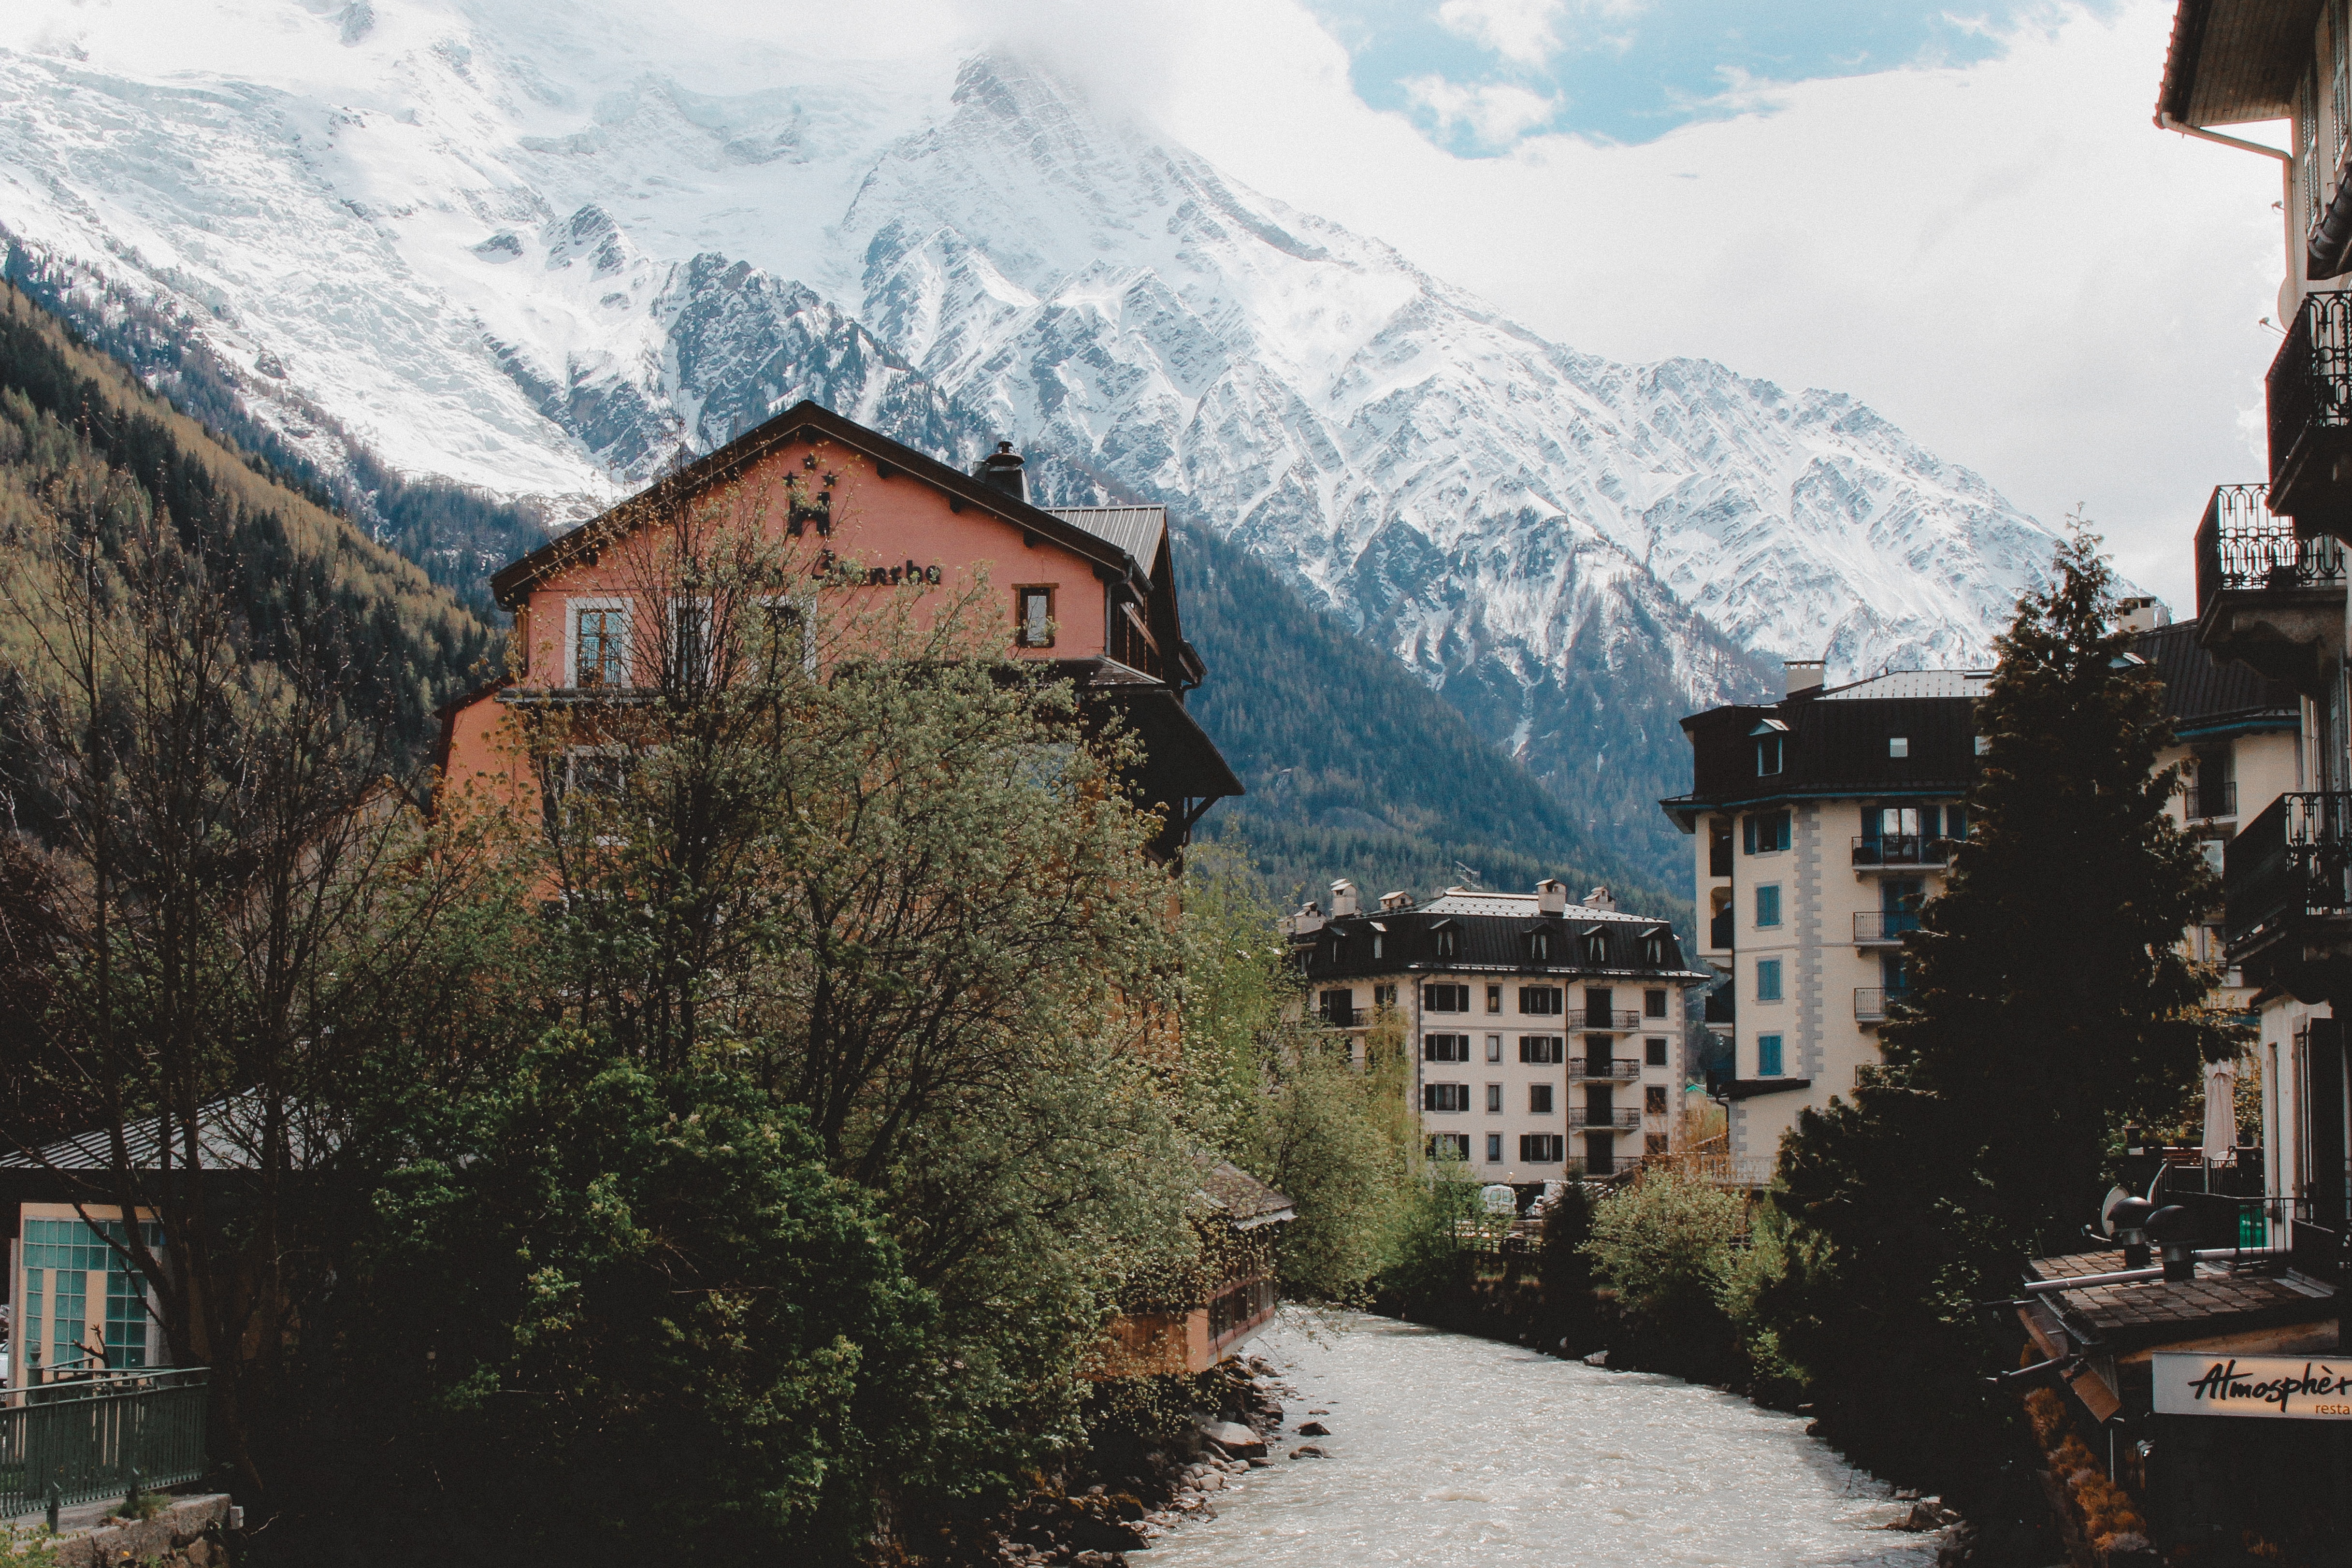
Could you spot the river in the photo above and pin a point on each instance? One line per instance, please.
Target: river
(1454, 1452)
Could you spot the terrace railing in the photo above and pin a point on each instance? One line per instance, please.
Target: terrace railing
(87, 1438)
(2242, 547)
(2309, 393)
(2293, 861)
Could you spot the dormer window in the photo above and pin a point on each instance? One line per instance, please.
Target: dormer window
(1654, 949)
(1771, 738)
(1449, 941)
(1596, 950)
(1898, 746)
(1539, 946)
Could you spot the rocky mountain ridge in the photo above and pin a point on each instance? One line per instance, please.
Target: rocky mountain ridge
(527, 259)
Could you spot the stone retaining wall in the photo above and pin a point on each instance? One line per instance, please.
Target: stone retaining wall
(185, 1535)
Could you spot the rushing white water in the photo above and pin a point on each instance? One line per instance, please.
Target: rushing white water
(1454, 1452)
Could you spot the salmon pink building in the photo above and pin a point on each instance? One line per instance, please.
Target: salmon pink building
(1089, 591)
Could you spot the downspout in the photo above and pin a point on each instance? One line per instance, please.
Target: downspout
(2165, 121)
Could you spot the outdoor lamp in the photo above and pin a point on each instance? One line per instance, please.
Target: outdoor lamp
(2128, 1220)
(2170, 1228)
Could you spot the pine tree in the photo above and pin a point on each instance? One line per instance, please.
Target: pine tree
(2052, 996)
(2051, 1001)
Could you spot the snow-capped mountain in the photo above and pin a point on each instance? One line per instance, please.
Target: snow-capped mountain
(547, 250)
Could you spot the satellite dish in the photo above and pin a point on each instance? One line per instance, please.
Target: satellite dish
(1499, 1199)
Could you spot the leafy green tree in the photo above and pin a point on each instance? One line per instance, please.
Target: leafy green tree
(846, 845)
(1661, 1246)
(605, 1313)
(1275, 1089)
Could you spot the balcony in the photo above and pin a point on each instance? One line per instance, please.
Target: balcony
(1718, 932)
(1870, 1002)
(1722, 1008)
(1883, 927)
(2266, 598)
(1903, 850)
(2309, 390)
(2285, 871)
(1592, 1069)
(1585, 1118)
(1617, 1021)
(1347, 1017)
(2205, 803)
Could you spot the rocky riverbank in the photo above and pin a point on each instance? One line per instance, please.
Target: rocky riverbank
(1135, 1499)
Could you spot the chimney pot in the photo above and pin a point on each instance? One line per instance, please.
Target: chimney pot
(1002, 468)
(1804, 675)
(1551, 897)
(1343, 898)
(1600, 898)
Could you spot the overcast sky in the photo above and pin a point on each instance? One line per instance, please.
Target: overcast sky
(1972, 225)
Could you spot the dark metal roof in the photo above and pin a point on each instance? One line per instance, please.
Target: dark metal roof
(230, 1134)
(805, 422)
(1491, 944)
(1837, 746)
(2203, 695)
(2232, 61)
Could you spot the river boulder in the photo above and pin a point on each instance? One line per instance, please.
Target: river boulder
(1233, 1437)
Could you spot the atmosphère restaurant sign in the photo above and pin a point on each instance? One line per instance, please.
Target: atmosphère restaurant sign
(2277, 1387)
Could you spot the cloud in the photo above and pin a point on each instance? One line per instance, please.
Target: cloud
(1518, 30)
(1498, 114)
(2003, 257)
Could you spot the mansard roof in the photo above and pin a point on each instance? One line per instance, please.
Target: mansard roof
(1491, 934)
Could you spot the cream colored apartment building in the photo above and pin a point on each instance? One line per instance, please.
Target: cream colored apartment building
(1545, 1035)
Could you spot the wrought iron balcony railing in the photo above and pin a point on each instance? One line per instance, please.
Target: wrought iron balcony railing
(2309, 392)
(1593, 1070)
(1870, 1002)
(1605, 1121)
(2293, 860)
(1902, 850)
(1883, 927)
(1617, 1021)
(2243, 547)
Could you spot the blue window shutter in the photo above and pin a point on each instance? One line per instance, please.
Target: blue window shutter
(1748, 827)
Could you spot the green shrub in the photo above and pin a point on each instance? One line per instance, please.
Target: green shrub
(1662, 1246)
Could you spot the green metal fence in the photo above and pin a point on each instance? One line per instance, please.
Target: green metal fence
(84, 1439)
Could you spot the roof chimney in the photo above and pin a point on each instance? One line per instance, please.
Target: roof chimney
(2141, 614)
(1002, 468)
(1551, 897)
(1343, 898)
(1392, 901)
(1600, 898)
(1804, 677)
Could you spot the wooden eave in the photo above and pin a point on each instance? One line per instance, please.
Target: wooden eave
(804, 423)
(2233, 61)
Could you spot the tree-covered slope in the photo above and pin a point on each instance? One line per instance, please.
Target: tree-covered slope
(1356, 769)
(82, 441)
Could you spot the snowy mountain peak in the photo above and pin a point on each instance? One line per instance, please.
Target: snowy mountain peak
(526, 256)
